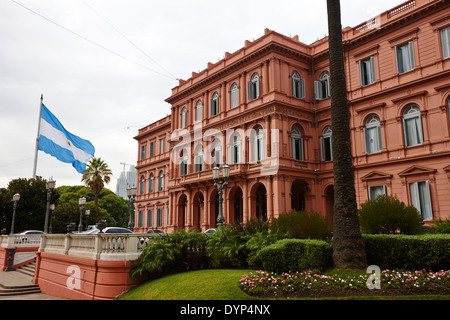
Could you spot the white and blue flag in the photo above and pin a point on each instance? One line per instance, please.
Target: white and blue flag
(55, 140)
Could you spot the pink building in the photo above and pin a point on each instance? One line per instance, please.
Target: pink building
(264, 110)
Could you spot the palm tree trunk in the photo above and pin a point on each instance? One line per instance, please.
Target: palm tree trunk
(348, 247)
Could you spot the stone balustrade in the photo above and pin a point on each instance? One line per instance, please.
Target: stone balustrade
(99, 246)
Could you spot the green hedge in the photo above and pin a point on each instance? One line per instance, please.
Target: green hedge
(413, 252)
(296, 255)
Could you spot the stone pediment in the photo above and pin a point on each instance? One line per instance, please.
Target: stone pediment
(376, 175)
(414, 170)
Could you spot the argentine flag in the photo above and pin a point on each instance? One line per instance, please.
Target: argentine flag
(61, 144)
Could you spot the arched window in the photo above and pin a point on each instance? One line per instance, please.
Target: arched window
(236, 148)
(198, 160)
(214, 105)
(150, 183)
(296, 143)
(161, 181)
(372, 135)
(322, 87)
(183, 117)
(198, 111)
(253, 87)
(412, 125)
(234, 95)
(298, 86)
(142, 185)
(326, 144)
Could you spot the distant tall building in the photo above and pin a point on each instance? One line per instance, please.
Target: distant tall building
(125, 181)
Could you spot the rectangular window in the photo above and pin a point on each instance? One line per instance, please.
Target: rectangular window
(405, 57)
(376, 191)
(372, 136)
(253, 90)
(298, 88)
(142, 152)
(367, 71)
(140, 216)
(445, 42)
(322, 89)
(413, 131)
(152, 149)
(326, 149)
(162, 145)
(421, 199)
(158, 218)
(214, 107)
(149, 218)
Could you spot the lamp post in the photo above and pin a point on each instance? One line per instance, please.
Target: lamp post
(87, 213)
(52, 209)
(81, 202)
(220, 185)
(16, 198)
(50, 186)
(131, 193)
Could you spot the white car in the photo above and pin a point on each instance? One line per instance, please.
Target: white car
(108, 230)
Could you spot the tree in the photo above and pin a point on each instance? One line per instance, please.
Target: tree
(31, 207)
(348, 247)
(95, 176)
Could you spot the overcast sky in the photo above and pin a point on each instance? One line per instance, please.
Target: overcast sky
(105, 67)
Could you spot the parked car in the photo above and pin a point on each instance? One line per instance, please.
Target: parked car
(108, 230)
(32, 232)
(212, 230)
(156, 232)
(24, 238)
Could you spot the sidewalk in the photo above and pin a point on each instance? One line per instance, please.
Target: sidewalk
(14, 280)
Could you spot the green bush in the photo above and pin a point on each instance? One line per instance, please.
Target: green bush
(412, 252)
(296, 255)
(235, 246)
(389, 215)
(303, 225)
(440, 226)
(176, 252)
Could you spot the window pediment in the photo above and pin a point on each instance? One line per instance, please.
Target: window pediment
(374, 175)
(415, 170)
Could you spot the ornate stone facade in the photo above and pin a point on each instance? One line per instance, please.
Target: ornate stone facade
(265, 112)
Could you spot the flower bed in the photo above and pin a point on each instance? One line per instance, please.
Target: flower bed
(310, 284)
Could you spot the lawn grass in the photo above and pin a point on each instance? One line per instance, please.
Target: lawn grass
(210, 284)
(222, 284)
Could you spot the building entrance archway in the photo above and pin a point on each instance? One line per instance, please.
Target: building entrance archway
(298, 190)
(236, 212)
(259, 202)
(181, 211)
(198, 205)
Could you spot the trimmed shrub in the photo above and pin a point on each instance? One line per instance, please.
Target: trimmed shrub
(412, 252)
(389, 215)
(303, 225)
(296, 255)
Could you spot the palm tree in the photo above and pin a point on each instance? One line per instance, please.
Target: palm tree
(96, 175)
(348, 247)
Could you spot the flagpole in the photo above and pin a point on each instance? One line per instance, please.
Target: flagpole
(37, 138)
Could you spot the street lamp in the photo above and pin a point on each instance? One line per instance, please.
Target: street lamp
(87, 213)
(50, 186)
(52, 210)
(220, 185)
(81, 202)
(16, 198)
(131, 193)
